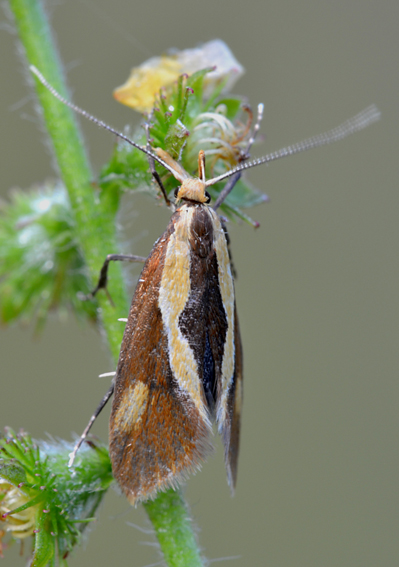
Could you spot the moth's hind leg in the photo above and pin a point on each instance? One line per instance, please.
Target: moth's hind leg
(89, 425)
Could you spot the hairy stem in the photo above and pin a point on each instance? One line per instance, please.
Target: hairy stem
(94, 216)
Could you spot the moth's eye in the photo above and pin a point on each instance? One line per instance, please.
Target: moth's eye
(208, 197)
(176, 192)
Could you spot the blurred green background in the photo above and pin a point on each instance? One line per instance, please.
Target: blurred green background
(317, 286)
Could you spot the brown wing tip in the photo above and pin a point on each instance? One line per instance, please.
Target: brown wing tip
(172, 481)
(231, 460)
(169, 475)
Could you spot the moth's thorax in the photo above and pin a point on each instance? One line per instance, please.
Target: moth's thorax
(193, 189)
(198, 226)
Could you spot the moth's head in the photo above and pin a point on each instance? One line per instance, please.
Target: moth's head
(192, 188)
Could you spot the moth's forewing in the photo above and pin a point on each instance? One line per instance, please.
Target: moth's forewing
(176, 368)
(157, 433)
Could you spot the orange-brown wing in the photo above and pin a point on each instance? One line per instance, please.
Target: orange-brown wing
(159, 429)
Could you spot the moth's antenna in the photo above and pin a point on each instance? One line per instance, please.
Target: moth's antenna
(362, 120)
(97, 121)
(201, 165)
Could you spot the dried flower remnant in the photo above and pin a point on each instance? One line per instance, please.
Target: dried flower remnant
(20, 524)
(219, 137)
(145, 81)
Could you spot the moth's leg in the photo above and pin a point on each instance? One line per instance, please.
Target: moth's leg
(154, 172)
(103, 278)
(227, 189)
(234, 178)
(92, 420)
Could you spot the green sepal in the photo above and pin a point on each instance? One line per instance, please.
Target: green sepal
(128, 170)
(233, 106)
(212, 101)
(20, 450)
(45, 543)
(12, 472)
(65, 499)
(196, 82)
(176, 139)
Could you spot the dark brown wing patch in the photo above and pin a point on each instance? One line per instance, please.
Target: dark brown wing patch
(203, 322)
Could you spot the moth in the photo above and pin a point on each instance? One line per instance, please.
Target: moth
(180, 363)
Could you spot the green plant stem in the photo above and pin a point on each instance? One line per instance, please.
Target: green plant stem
(169, 516)
(95, 225)
(95, 232)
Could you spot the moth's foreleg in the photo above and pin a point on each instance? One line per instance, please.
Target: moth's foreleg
(154, 172)
(227, 189)
(103, 278)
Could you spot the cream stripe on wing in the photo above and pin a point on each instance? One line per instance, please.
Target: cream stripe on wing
(174, 293)
(227, 292)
